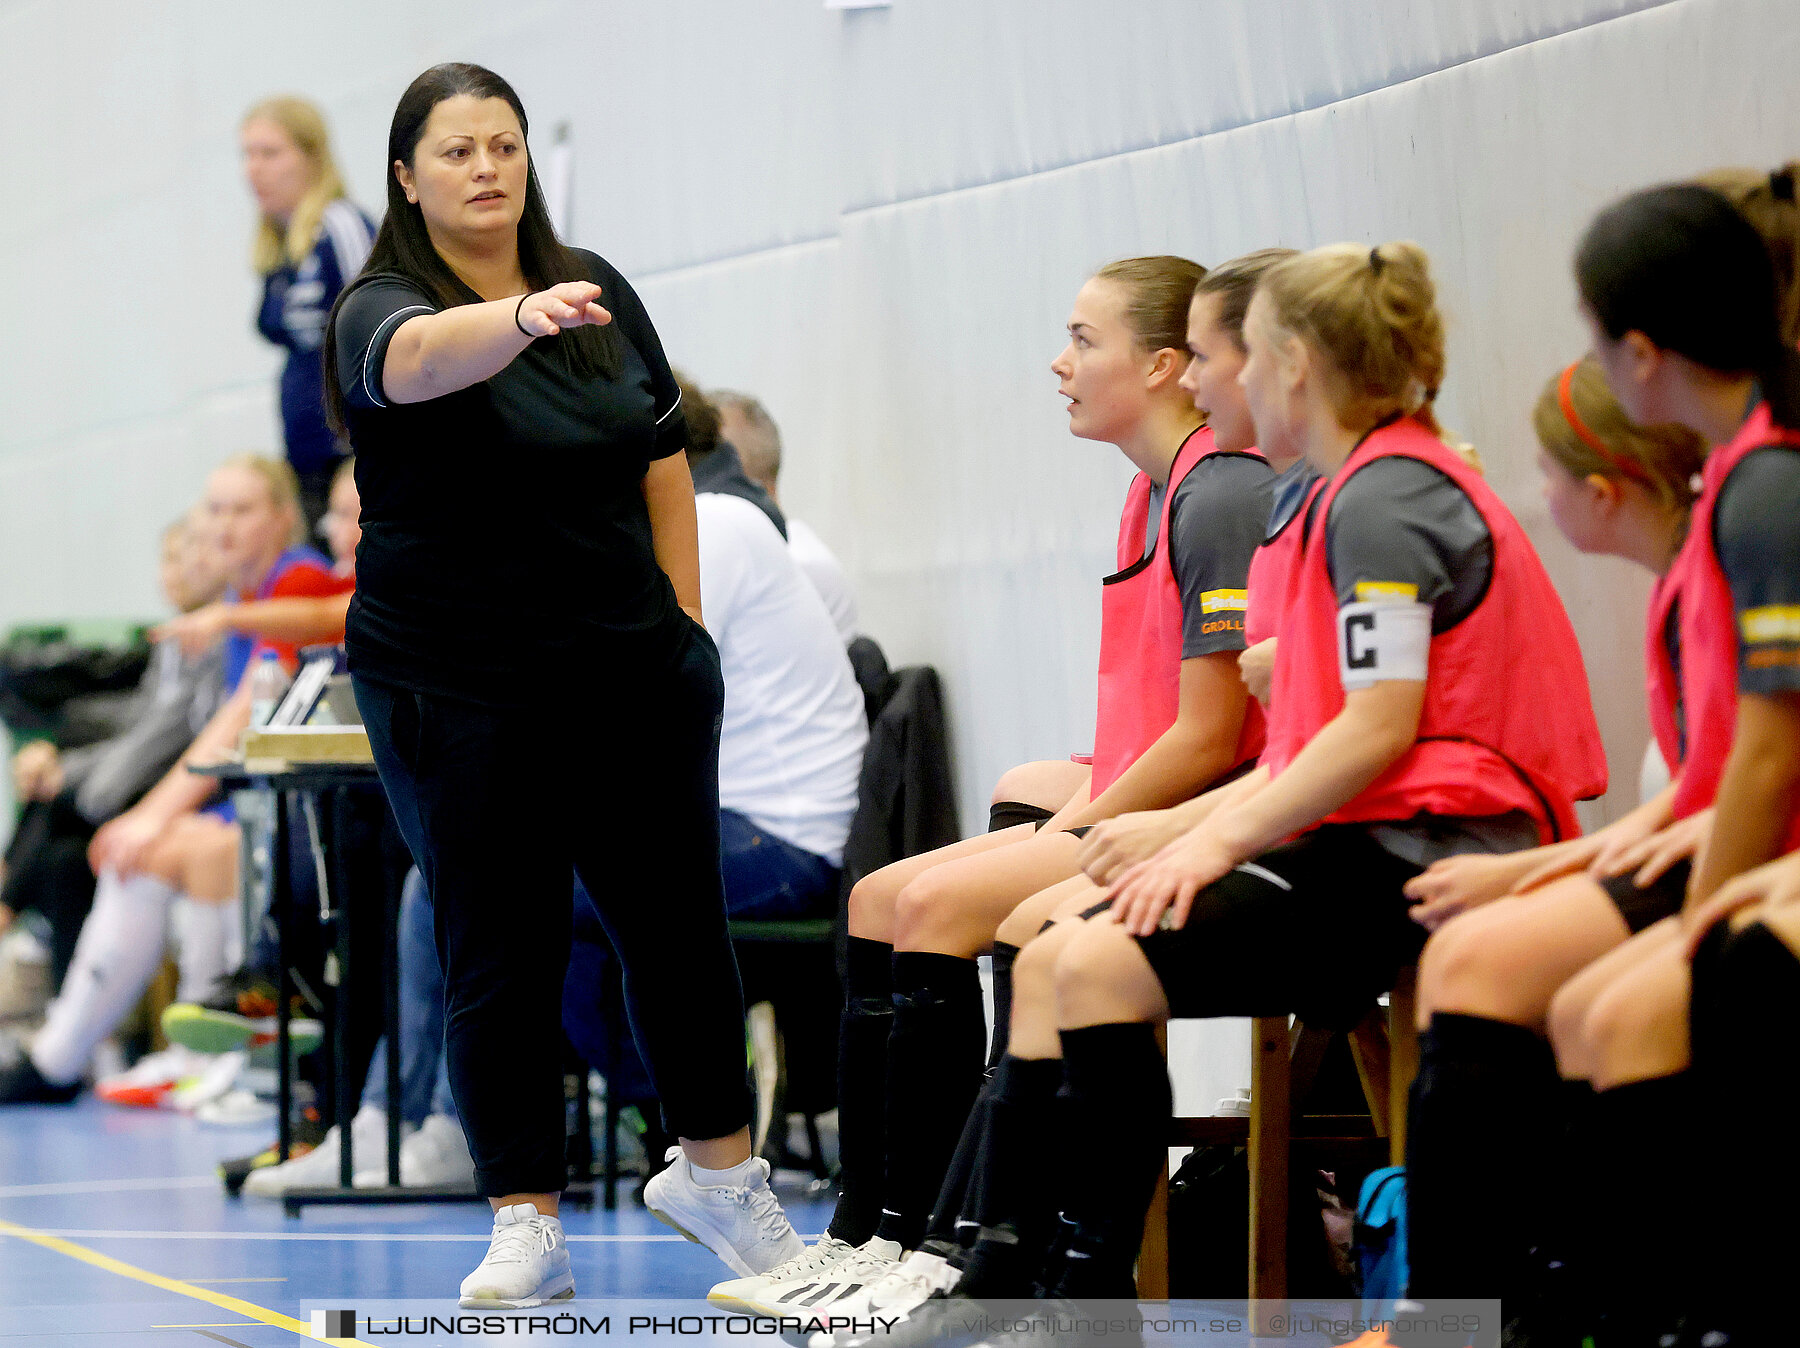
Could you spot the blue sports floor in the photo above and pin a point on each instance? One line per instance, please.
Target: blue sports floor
(115, 1231)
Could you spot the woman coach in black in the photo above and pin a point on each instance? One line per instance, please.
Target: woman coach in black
(533, 706)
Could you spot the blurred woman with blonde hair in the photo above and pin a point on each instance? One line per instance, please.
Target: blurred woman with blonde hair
(310, 240)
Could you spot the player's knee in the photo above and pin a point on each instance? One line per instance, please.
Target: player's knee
(929, 907)
(1094, 955)
(871, 908)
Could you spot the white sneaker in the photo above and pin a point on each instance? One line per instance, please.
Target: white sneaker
(846, 1278)
(527, 1263)
(235, 1109)
(213, 1082)
(744, 1294)
(893, 1296)
(742, 1223)
(435, 1156)
(152, 1082)
(319, 1168)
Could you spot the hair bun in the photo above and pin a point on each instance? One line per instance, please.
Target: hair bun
(1781, 183)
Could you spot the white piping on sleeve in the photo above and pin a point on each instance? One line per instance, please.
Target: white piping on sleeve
(375, 341)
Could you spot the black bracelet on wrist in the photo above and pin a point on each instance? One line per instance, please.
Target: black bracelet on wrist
(516, 312)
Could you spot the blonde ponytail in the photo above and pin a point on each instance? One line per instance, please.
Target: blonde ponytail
(1372, 314)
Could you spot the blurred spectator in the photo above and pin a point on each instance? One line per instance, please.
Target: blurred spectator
(297, 620)
(712, 461)
(310, 240)
(746, 424)
(168, 859)
(67, 795)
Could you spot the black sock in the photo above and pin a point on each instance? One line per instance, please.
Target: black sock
(1483, 1122)
(1746, 997)
(1012, 813)
(1641, 1202)
(1004, 955)
(954, 1201)
(1118, 1089)
(933, 1074)
(1012, 1199)
(862, 1087)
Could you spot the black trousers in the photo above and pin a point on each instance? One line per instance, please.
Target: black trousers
(47, 870)
(498, 806)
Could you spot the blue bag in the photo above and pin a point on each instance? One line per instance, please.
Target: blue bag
(1381, 1235)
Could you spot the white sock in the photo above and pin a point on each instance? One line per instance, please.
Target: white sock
(116, 956)
(202, 945)
(736, 1176)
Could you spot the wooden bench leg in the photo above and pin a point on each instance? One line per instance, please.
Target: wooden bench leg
(1270, 1127)
(1403, 1058)
(1369, 1048)
(1153, 1254)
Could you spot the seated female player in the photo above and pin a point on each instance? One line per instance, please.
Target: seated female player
(1216, 355)
(1686, 312)
(1490, 1111)
(1173, 718)
(1399, 733)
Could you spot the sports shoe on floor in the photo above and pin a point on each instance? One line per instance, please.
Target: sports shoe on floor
(211, 1084)
(743, 1294)
(22, 1084)
(846, 1278)
(893, 1296)
(435, 1156)
(527, 1263)
(743, 1223)
(235, 1109)
(239, 1013)
(306, 1134)
(319, 1167)
(151, 1082)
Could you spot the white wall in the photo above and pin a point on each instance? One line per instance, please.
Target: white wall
(876, 220)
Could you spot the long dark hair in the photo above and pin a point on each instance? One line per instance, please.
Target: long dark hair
(1681, 265)
(404, 248)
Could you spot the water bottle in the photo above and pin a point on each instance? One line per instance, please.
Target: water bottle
(268, 682)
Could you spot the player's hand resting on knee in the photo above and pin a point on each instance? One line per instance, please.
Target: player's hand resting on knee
(1457, 884)
(1775, 885)
(1649, 860)
(1115, 845)
(1160, 892)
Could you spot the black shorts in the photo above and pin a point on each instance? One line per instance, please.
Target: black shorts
(1013, 813)
(1650, 904)
(1317, 927)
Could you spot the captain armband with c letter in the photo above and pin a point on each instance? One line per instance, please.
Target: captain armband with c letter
(1384, 634)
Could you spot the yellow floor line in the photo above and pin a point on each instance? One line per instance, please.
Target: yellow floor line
(106, 1262)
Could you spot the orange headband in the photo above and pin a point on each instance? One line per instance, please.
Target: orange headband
(1565, 398)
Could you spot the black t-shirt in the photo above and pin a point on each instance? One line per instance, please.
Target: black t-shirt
(506, 547)
(1216, 523)
(1759, 551)
(1400, 528)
